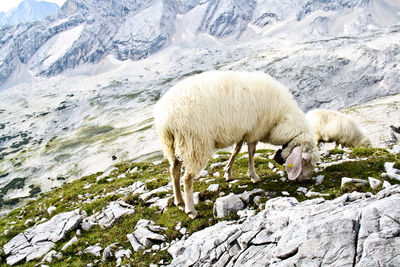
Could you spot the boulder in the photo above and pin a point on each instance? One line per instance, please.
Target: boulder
(213, 187)
(346, 180)
(108, 215)
(374, 183)
(224, 205)
(93, 250)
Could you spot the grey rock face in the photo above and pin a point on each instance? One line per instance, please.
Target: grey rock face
(73, 240)
(226, 17)
(35, 242)
(374, 183)
(51, 255)
(93, 250)
(246, 195)
(224, 205)
(108, 215)
(134, 243)
(346, 180)
(340, 232)
(145, 235)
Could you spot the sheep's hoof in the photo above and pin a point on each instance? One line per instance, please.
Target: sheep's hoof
(255, 178)
(228, 177)
(180, 205)
(192, 214)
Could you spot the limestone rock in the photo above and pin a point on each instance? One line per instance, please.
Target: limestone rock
(386, 184)
(108, 252)
(387, 176)
(123, 253)
(246, 195)
(162, 204)
(213, 187)
(134, 243)
(353, 230)
(93, 250)
(224, 205)
(35, 242)
(51, 209)
(301, 190)
(147, 237)
(109, 214)
(389, 168)
(319, 179)
(352, 180)
(395, 149)
(374, 183)
(217, 165)
(73, 240)
(165, 188)
(391, 172)
(52, 254)
(203, 173)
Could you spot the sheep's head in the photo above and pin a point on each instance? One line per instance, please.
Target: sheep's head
(300, 165)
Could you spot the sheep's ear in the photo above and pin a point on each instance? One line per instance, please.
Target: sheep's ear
(294, 164)
(278, 157)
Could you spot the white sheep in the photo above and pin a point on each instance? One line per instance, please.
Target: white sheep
(219, 108)
(333, 126)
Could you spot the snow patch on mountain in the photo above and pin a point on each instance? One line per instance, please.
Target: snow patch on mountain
(58, 46)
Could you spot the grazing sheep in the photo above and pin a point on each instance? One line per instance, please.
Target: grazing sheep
(333, 126)
(219, 108)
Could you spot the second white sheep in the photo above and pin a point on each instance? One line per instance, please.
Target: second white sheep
(333, 126)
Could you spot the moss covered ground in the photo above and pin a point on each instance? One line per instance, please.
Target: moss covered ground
(366, 162)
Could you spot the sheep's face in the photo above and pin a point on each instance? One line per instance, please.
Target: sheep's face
(299, 165)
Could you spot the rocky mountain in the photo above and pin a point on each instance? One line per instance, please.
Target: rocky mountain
(85, 31)
(28, 11)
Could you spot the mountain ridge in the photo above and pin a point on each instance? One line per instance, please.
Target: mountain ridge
(135, 29)
(28, 11)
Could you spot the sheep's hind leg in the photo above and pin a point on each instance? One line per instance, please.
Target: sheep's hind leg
(188, 186)
(252, 172)
(176, 179)
(228, 167)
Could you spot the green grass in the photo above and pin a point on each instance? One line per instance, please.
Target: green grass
(369, 163)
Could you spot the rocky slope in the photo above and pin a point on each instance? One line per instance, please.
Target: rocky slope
(354, 230)
(347, 215)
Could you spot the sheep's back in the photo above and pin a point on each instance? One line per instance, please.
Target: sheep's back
(224, 106)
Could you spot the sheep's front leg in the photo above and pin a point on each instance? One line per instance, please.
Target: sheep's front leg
(252, 172)
(189, 203)
(176, 179)
(228, 167)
